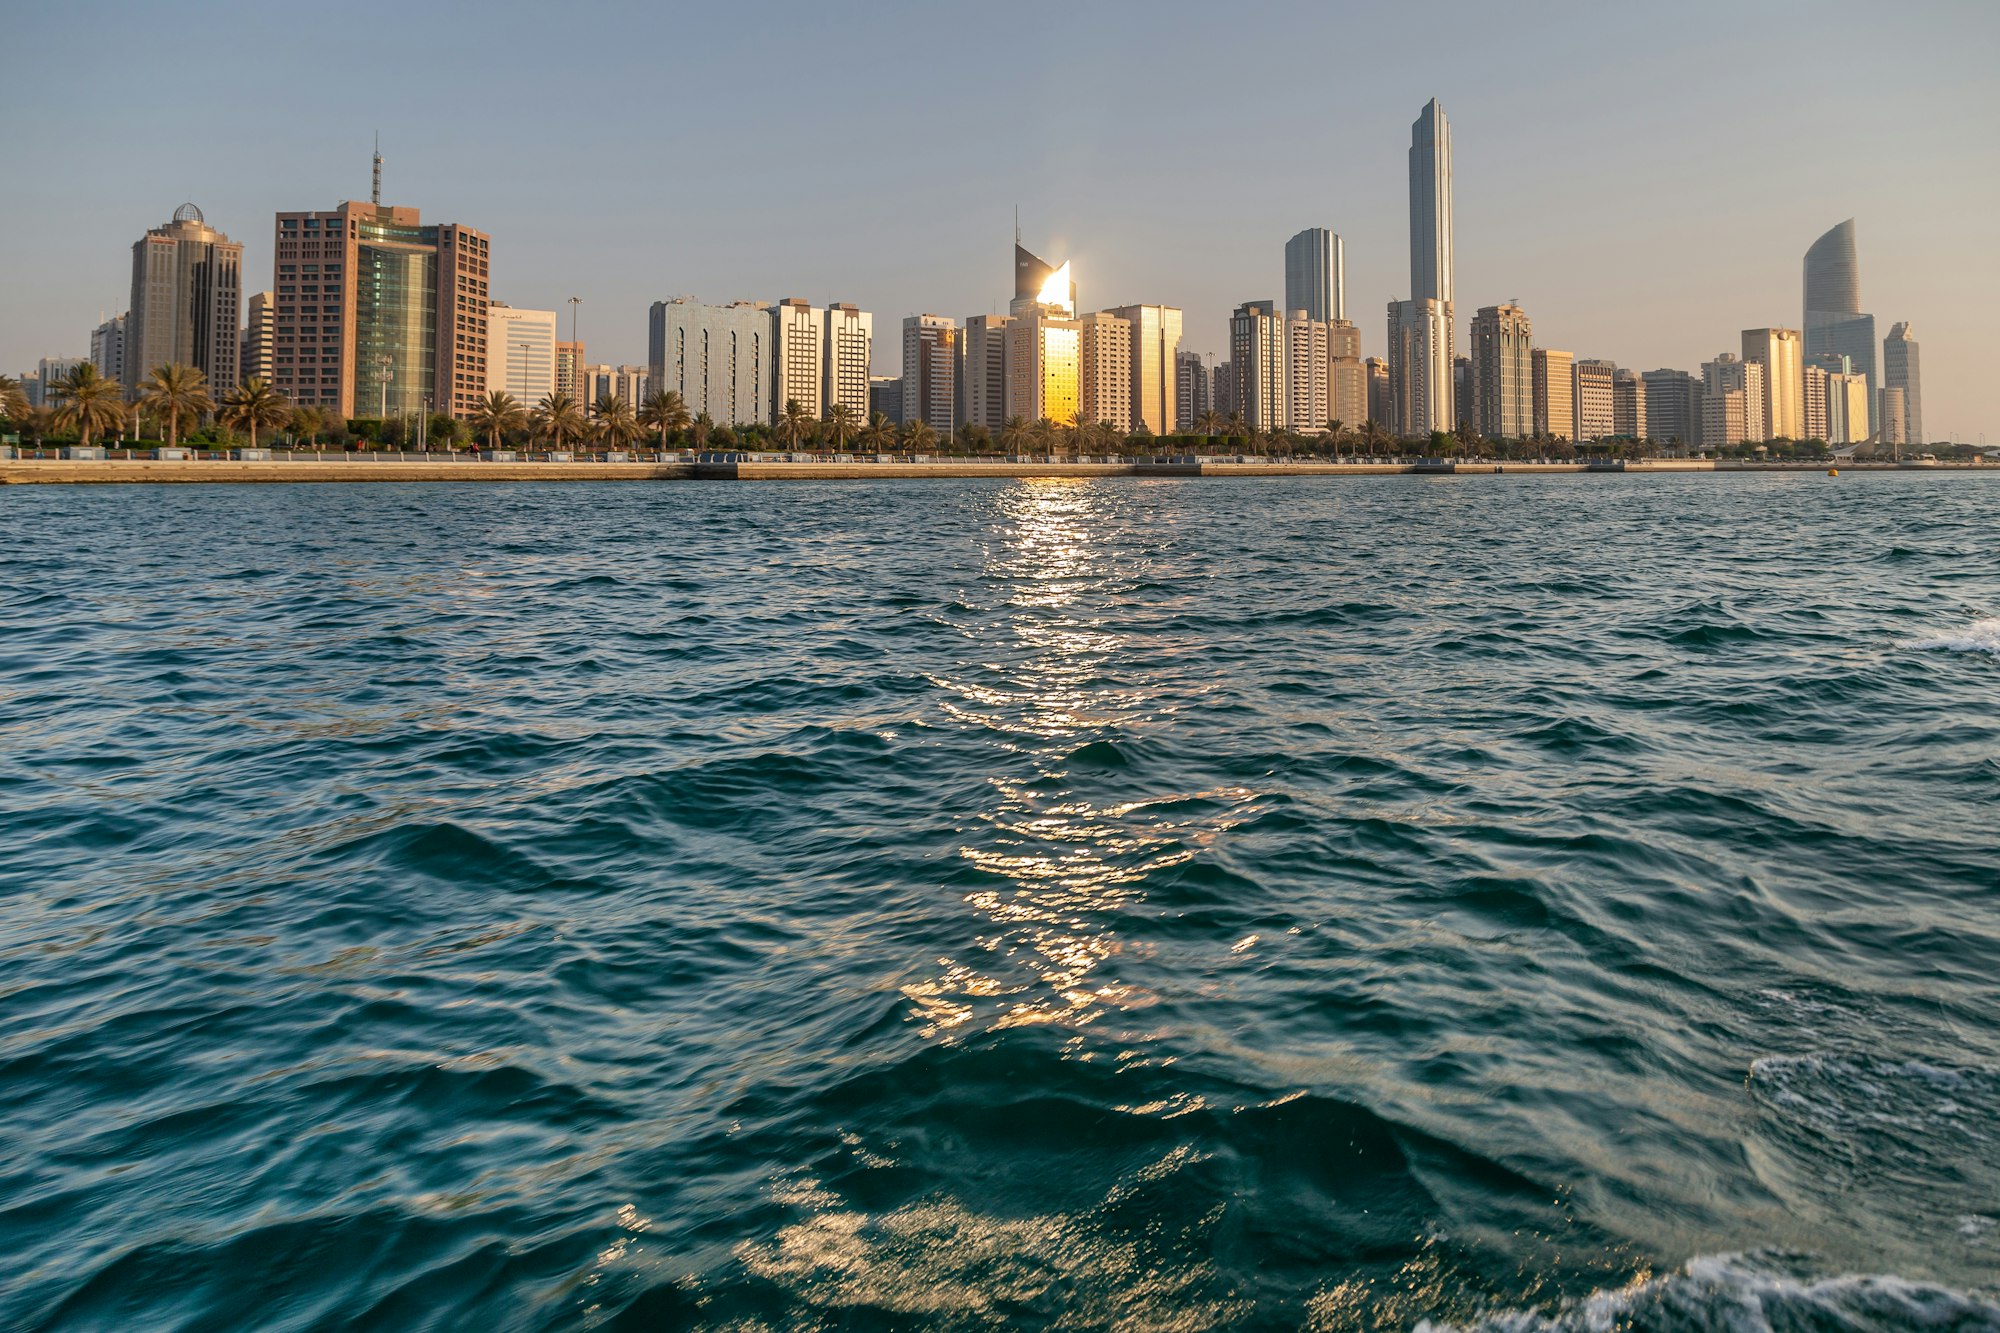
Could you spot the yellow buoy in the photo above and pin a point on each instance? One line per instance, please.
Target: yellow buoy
(1833, 472)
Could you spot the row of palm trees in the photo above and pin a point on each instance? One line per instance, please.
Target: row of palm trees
(174, 395)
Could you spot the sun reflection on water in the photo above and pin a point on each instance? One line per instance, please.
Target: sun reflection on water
(1067, 846)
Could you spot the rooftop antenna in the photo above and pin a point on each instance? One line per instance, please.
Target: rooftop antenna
(376, 194)
(1017, 224)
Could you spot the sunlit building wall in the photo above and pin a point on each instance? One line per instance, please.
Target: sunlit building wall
(1553, 393)
(1258, 360)
(1044, 365)
(1156, 342)
(1105, 373)
(1847, 408)
(930, 371)
(1813, 422)
(1503, 372)
(850, 343)
(1595, 418)
(187, 292)
(718, 358)
(1308, 373)
(799, 373)
(1732, 402)
(520, 353)
(1422, 371)
(1781, 353)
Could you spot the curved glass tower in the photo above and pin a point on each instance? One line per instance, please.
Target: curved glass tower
(1835, 324)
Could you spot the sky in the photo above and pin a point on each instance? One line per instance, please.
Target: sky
(1643, 179)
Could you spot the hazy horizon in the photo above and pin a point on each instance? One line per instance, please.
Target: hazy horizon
(1645, 183)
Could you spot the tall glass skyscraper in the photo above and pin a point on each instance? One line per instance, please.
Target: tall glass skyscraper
(1900, 370)
(1316, 275)
(1834, 321)
(1422, 333)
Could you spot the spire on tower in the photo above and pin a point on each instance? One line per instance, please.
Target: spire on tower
(376, 194)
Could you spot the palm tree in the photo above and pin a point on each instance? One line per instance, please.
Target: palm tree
(1043, 433)
(878, 434)
(842, 425)
(176, 393)
(306, 422)
(558, 417)
(794, 424)
(1016, 436)
(497, 414)
(255, 403)
(1210, 422)
(1235, 427)
(702, 427)
(664, 411)
(918, 437)
(13, 403)
(615, 420)
(89, 403)
(1373, 436)
(976, 439)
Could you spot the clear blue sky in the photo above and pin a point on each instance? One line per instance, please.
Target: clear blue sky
(1644, 179)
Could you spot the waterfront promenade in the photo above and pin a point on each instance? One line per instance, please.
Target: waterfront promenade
(362, 467)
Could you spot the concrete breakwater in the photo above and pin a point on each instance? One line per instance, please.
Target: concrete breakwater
(364, 468)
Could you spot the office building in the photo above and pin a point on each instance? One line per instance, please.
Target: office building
(718, 358)
(984, 369)
(1732, 402)
(259, 346)
(1892, 419)
(850, 346)
(187, 293)
(930, 371)
(1258, 360)
(1847, 408)
(1193, 399)
(1594, 409)
(1834, 320)
(1812, 378)
(1316, 275)
(1381, 399)
(885, 395)
(1222, 389)
(1044, 364)
(1422, 372)
(798, 362)
(1673, 408)
(1781, 354)
(1628, 406)
(107, 348)
(46, 387)
(629, 383)
(1503, 372)
(521, 353)
(1038, 283)
(379, 315)
(1900, 370)
(1105, 370)
(1156, 342)
(1554, 393)
(1308, 388)
(1347, 377)
(569, 369)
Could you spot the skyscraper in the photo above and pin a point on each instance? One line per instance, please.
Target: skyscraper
(1316, 274)
(187, 291)
(1673, 407)
(985, 367)
(521, 353)
(1901, 371)
(930, 371)
(260, 336)
(1732, 402)
(1595, 412)
(1037, 282)
(378, 314)
(107, 348)
(850, 345)
(1554, 393)
(1778, 351)
(1191, 390)
(1422, 336)
(569, 369)
(1308, 389)
(799, 369)
(1834, 320)
(1044, 364)
(1156, 341)
(1381, 400)
(1890, 422)
(1503, 372)
(1257, 363)
(1105, 373)
(1628, 406)
(1813, 377)
(1347, 378)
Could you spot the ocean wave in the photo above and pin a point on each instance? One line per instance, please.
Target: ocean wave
(1758, 1292)
(1981, 636)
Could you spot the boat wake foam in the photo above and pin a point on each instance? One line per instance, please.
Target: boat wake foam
(1982, 636)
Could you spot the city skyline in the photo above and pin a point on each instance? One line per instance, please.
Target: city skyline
(1668, 279)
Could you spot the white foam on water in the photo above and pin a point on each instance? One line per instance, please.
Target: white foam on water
(1743, 1293)
(1982, 636)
